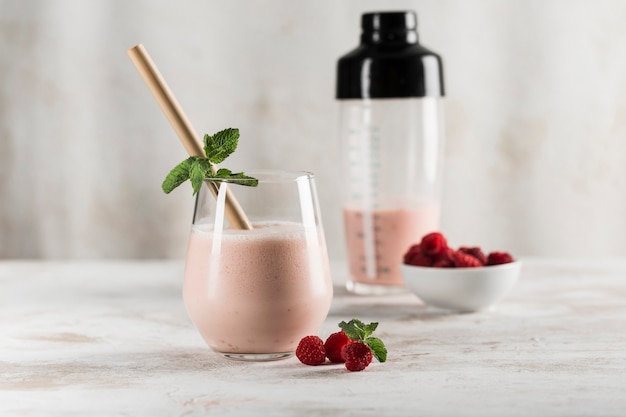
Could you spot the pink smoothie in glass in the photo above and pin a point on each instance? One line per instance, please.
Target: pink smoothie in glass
(377, 240)
(259, 291)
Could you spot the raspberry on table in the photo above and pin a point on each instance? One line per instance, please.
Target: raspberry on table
(476, 252)
(433, 243)
(498, 258)
(357, 355)
(334, 346)
(464, 260)
(311, 351)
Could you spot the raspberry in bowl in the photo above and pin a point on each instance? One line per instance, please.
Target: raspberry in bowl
(464, 280)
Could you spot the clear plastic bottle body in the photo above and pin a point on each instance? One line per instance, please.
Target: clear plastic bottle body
(392, 157)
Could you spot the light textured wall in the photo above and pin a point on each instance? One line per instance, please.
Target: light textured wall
(536, 117)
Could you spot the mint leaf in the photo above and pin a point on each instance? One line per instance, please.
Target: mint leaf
(355, 329)
(199, 168)
(378, 348)
(368, 329)
(198, 171)
(360, 332)
(177, 176)
(222, 173)
(242, 179)
(351, 329)
(235, 178)
(219, 146)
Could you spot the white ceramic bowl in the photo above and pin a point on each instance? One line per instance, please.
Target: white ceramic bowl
(461, 289)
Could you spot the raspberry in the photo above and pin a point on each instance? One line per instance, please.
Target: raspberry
(464, 260)
(476, 252)
(357, 355)
(334, 345)
(433, 244)
(413, 250)
(445, 259)
(418, 259)
(497, 258)
(311, 351)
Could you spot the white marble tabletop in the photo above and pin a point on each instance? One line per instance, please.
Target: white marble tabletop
(113, 339)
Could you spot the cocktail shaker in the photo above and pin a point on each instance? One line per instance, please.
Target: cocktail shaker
(390, 92)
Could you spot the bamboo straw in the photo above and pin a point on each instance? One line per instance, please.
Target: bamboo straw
(181, 125)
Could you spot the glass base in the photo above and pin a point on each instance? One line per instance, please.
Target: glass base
(257, 357)
(373, 289)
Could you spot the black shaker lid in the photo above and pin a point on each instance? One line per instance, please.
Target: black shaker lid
(387, 26)
(389, 62)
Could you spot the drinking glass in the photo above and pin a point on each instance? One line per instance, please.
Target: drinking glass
(253, 294)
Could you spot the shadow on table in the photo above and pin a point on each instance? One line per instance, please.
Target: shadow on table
(397, 307)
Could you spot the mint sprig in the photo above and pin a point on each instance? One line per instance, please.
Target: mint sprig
(197, 169)
(356, 330)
